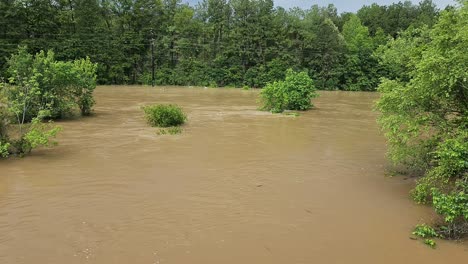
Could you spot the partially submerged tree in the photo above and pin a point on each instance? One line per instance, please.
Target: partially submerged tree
(294, 93)
(360, 66)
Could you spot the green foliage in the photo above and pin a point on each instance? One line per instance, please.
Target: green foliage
(326, 61)
(170, 130)
(431, 243)
(424, 231)
(229, 43)
(38, 88)
(164, 115)
(212, 84)
(425, 112)
(360, 72)
(84, 84)
(4, 149)
(397, 17)
(398, 56)
(38, 134)
(41, 83)
(454, 205)
(294, 93)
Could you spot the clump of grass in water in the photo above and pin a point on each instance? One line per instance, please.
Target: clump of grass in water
(169, 130)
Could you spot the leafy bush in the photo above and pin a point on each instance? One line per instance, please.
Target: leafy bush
(41, 88)
(32, 135)
(164, 115)
(51, 85)
(424, 115)
(453, 206)
(84, 83)
(294, 93)
(40, 133)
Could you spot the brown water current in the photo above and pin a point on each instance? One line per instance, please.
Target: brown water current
(237, 186)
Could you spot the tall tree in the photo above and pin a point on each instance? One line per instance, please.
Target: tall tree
(360, 65)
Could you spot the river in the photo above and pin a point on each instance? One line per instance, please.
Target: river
(237, 186)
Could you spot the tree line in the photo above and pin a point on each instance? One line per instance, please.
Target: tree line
(215, 43)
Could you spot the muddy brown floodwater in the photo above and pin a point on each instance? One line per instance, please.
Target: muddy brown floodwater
(238, 186)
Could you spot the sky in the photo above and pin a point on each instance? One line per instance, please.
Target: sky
(342, 5)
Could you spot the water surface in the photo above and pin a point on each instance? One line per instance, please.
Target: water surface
(238, 186)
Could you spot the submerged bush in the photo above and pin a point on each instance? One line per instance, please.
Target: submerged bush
(294, 93)
(164, 115)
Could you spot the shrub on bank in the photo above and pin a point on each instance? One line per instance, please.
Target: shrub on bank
(424, 114)
(39, 88)
(164, 115)
(294, 93)
(60, 87)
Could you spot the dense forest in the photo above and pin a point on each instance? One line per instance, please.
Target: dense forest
(215, 43)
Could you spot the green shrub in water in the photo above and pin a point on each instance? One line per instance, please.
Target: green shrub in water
(294, 93)
(164, 115)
